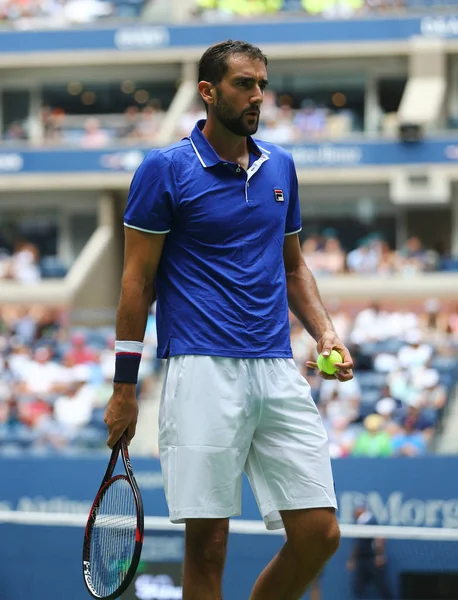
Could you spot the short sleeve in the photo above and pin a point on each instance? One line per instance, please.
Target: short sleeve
(293, 216)
(152, 195)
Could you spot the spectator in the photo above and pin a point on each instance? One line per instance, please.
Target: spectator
(433, 323)
(150, 121)
(333, 259)
(388, 408)
(309, 121)
(25, 263)
(341, 435)
(94, 136)
(369, 325)
(52, 121)
(341, 399)
(129, 129)
(415, 259)
(409, 442)
(364, 259)
(374, 441)
(73, 410)
(432, 395)
(414, 353)
(312, 254)
(79, 353)
(388, 261)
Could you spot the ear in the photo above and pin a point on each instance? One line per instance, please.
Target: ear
(207, 92)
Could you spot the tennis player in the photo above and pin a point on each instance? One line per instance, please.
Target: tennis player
(211, 231)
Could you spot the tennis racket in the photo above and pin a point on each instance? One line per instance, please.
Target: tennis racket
(114, 532)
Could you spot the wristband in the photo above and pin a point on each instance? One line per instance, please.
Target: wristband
(127, 362)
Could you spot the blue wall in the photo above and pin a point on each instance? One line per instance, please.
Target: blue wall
(340, 154)
(151, 37)
(421, 492)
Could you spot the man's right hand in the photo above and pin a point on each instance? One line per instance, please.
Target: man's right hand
(121, 413)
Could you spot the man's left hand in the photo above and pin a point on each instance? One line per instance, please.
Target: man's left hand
(328, 342)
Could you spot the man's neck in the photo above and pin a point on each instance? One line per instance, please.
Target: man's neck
(226, 144)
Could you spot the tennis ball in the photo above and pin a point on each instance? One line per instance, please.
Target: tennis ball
(326, 363)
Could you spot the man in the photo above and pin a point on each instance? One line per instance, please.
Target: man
(211, 231)
(368, 560)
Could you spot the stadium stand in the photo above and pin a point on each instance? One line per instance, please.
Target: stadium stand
(364, 95)
(56, 380)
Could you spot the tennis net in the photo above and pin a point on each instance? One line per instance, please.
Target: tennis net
(422, 563)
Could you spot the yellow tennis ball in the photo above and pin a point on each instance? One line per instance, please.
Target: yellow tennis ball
(326, 363)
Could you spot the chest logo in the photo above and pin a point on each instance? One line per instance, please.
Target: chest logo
(279, 195)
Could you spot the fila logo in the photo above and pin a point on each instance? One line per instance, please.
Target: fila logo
(279, 195)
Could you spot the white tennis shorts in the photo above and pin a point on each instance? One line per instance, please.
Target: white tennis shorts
(222, 416)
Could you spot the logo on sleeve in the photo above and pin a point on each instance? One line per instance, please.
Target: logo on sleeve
(279, 195)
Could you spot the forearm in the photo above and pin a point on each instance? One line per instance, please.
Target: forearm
(133, 310)
(305, 301)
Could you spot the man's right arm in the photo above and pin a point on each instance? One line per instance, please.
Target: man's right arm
(142, 254)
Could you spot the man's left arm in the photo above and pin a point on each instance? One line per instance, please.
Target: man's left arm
(305, 302)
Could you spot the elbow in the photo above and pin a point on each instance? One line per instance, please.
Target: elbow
(296, 271)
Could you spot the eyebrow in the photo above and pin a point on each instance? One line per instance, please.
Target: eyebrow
(252, 80)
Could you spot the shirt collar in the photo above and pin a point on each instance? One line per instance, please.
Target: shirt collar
(206, 153)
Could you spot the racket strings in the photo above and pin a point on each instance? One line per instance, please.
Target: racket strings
(113, 537)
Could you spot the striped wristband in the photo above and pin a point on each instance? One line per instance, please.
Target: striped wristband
(127, 363)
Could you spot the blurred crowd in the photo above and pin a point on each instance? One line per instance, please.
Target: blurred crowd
(406, 368)
(136, 125)
(64, 13)
(373, 255)
(323, 253)
(56, 380)
(284, 121)
(22, 264)
(30, 14)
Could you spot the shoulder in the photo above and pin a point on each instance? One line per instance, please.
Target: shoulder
(168, 160)
(169, 154)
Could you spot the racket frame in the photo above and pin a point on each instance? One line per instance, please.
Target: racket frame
(120, 447)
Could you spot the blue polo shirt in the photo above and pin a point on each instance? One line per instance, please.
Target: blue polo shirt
(221, 286)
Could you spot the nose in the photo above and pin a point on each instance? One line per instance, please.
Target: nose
(257, 97)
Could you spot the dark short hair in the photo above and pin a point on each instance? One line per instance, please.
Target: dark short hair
(213, 64)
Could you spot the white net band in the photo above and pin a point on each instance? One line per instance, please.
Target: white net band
(239, 526)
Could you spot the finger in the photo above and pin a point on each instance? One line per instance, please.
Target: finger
(344, 376)
(345, 354)
(131, 431)
(327, 347)
(311, 365)
(344, 366)
(114, 436)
